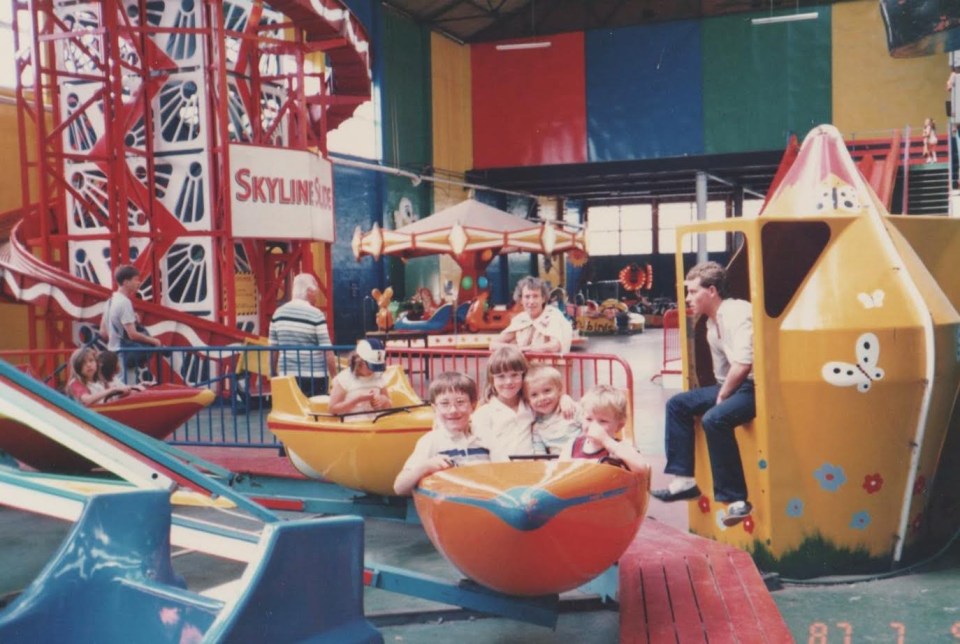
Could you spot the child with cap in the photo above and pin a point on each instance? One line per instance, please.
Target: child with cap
(361, 387)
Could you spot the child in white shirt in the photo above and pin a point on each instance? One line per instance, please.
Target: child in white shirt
(451, 441)
(361, 387)
(503, 419)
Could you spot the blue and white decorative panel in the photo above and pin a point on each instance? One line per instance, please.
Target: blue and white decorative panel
(187, 275)
(83, 117)
(183, 47)
(90, 259)
(83, 53)
(180, 113)
(88, 202)
(182, 184)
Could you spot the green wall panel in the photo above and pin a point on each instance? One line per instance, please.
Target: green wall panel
(405, 109)
(763, 82)
(405, 100)
(418, 272)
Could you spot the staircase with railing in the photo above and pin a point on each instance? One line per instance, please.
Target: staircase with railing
(922, 188)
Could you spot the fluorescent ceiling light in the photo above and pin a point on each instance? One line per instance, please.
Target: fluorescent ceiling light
(791, 17)
(524, 45)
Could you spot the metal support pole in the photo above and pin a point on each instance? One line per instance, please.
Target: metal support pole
(701, 215)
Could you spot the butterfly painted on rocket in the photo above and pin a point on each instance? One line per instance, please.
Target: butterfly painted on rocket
(863, 373)
(871, 300)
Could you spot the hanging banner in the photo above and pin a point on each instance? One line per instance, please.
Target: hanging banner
(280, 194)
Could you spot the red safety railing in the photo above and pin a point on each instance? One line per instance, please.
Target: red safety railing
(581, 371)
(671, 343)
(237, 418)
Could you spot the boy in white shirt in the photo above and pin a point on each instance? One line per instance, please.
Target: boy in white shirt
(451, 441)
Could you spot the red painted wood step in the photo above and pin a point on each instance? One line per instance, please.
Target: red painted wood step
(677, 587)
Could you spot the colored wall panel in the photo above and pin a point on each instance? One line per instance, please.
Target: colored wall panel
(405, 98)
(400, 200)
(872, 92)
(529, 105)
(644, 92)
(363, 10)
(357, 203)
(15, 321)
(452, 137)
(763, 82)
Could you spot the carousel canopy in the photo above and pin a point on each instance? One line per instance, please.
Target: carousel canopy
(468, 227)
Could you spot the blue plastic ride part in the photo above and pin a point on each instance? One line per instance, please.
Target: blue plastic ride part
(111, 581)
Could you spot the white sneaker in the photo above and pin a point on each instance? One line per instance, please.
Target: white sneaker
(737, 512)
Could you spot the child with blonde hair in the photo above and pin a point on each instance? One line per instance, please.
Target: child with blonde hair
(551, 429)
(451, 441)
(604, 415)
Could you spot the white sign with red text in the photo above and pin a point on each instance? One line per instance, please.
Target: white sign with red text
(280, 194)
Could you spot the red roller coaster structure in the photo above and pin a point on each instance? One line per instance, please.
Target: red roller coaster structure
(128, 111)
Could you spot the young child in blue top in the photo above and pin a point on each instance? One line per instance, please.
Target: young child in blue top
(451, 441)
(543, 388)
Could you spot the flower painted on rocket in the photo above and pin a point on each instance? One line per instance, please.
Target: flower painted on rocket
(920, 485)
(860, 520)
(872, 483)
(794, 508)
(704, 504)
(748, 525)
(831, 477)
(718, 517)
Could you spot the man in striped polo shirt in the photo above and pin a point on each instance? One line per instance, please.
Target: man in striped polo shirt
(299, 323)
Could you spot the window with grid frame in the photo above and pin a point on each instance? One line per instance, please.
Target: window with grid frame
(670, 216)
(620, 230)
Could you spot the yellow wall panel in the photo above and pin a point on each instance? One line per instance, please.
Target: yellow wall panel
(873, 92)
(14, 316)
(452, 116)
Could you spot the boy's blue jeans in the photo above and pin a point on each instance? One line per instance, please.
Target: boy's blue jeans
(718, 422)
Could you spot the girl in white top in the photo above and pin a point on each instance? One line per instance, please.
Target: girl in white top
(503, 420)
(361, 387)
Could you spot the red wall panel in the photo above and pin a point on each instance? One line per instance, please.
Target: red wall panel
(529, 105)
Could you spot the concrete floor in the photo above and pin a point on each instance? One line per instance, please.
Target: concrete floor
(924, 606)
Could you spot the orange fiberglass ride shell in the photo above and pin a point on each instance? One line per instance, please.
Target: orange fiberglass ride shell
(362, 455)
(533, 527)
(157, 411)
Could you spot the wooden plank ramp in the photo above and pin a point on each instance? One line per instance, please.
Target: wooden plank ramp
(679, 588)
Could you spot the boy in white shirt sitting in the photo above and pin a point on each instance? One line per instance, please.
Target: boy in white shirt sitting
(451, 441)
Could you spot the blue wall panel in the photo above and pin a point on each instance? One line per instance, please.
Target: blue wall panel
(364, 11)
(358, 198)
(644, 96)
